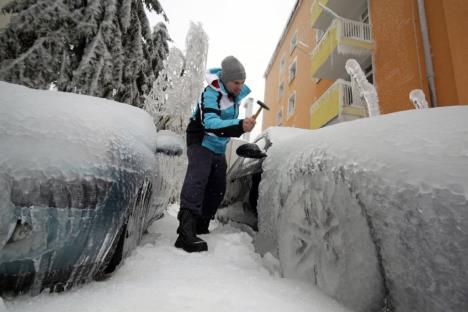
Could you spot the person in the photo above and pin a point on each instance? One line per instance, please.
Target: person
(213, 123)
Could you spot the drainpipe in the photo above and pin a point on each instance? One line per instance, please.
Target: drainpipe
(427, 52)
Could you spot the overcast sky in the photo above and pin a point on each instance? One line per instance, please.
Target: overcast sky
(247, 29)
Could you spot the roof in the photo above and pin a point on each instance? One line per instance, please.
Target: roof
(283, 36)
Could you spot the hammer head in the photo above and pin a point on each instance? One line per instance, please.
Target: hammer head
(263, 105)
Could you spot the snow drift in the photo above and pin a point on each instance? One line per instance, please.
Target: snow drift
(231, 276)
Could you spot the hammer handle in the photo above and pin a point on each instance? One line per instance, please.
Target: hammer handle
(258, 112)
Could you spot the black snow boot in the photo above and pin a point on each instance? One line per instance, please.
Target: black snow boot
(187, 239)
(203, 225)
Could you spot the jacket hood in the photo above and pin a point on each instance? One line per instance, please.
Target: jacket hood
(213, 80)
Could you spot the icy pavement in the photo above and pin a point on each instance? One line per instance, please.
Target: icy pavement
(159, 277)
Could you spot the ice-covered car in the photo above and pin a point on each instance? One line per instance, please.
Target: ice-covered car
(244, 175)
(374, 212)
(77, 175)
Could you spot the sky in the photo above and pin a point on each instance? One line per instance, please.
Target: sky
(249, 30)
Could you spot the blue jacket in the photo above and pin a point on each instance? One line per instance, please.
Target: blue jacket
(215, 120)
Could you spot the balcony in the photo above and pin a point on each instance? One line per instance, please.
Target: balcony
(347, 9)
(344, 39)
(338, 101)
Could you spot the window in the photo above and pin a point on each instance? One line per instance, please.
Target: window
(369, 71)
(292, 70)
(281, 90)
(291, 104)
(365, 15)
(279, 117)
(281, 65)
(293, 42)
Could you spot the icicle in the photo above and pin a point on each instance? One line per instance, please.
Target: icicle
(3, 308)
(366, 89)
(40, 263)
(419, 99)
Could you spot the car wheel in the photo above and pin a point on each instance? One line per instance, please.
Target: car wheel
(324, 239)
(114, 257)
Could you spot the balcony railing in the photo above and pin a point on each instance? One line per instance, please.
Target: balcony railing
(355, 30)
(339, 99)
(343, 28)
(322, 18)
(343, 38)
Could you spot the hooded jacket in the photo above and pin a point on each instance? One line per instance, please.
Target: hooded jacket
(214, 119)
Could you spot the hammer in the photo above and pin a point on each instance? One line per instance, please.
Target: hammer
(262, 105)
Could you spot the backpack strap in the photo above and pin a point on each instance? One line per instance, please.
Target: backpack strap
(201, 110)
(196, 128)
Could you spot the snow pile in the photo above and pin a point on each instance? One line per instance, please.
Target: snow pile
(237, 212)
(374, 211)
(159, 277)
(169, 142)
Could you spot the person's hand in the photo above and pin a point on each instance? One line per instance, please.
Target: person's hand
(248, 124)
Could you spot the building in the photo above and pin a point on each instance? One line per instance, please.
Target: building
(400, 45)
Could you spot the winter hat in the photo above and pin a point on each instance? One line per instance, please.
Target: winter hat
(231, 69)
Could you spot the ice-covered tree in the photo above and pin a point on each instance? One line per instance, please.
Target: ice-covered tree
(170, 101)
(103, 48)
(157, 100)
(179, 84)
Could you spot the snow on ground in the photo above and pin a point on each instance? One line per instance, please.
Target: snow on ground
(159, 277)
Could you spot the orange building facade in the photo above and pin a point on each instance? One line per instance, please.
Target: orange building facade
(400, 45)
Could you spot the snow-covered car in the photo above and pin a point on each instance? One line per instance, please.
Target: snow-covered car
(374, 212)
(244, 175)
(77, 176)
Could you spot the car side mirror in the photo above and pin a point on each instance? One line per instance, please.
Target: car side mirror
(250, 150)
(169, 143)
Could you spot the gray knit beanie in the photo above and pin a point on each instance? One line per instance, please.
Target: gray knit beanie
(231, 69)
